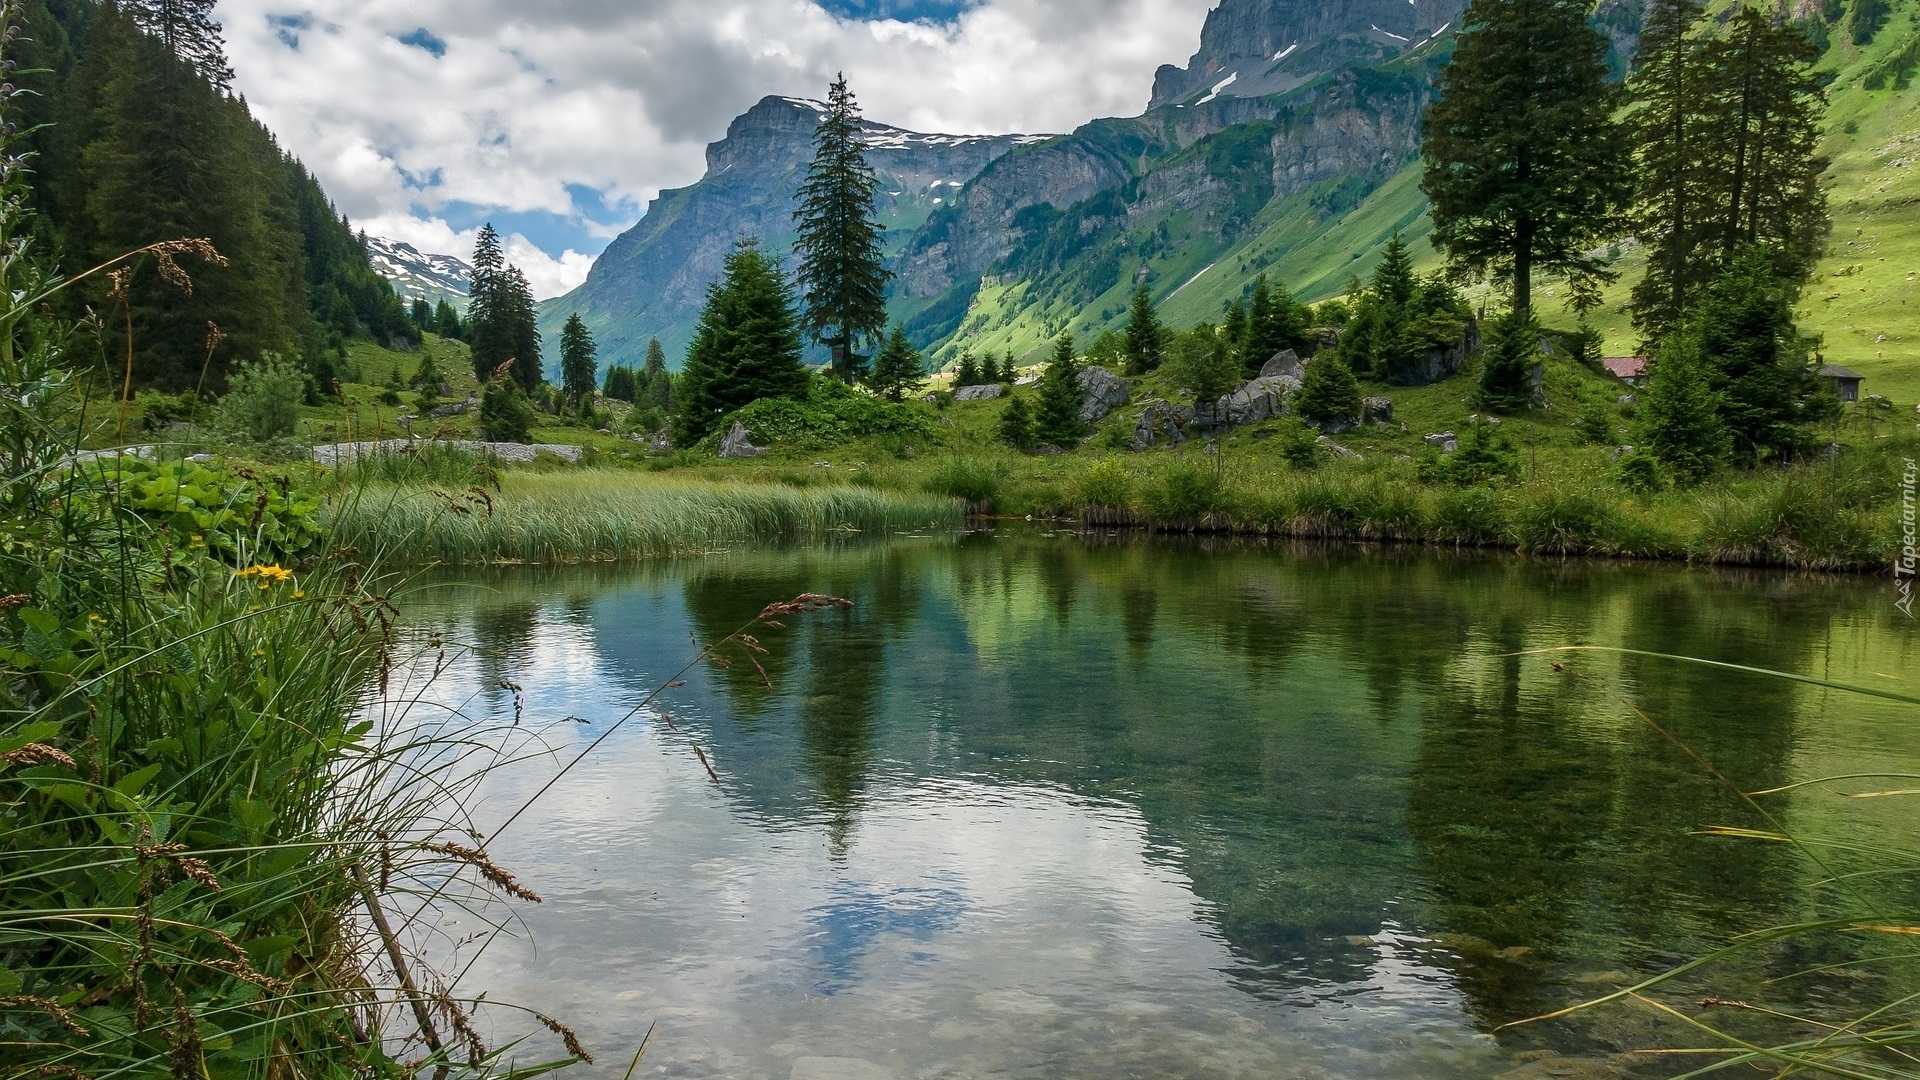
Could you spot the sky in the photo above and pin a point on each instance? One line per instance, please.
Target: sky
(559, 120)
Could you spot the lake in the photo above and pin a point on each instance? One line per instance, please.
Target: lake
(1051, 805)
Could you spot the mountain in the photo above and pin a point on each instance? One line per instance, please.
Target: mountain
(1287, 145)
(652, 280)
(415, 276)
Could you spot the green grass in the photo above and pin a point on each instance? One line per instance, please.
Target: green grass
(606, 515)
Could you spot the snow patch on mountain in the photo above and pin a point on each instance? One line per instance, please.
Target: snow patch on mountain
(420, 276)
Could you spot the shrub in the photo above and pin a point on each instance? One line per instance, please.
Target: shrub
(1639, 473)
(1299, 444)
(1486, 454)
(832, 414)
(1328, 393)
(1595, 424)
(1106, 483)
(505, 413)
(262, 402)
(971, 479)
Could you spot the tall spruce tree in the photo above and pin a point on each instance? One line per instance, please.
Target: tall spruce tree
(486, 304)
(1527, 168)
(1666, 126)
(896, 369)
(843, 275)
(1393, 279)
(1057, 420)
(1143, 344)
(656, 382)
(1275, 322)
(746, 347)
(189, 31)
(1757, 364)
(579, 360)
(518, 323)
(1763, 107)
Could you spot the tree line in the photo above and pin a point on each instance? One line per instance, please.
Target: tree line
(136, 138)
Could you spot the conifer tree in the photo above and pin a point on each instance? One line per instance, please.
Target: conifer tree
(1393, 279)
(843, 275)
(1763, 107)
(1275, 322)
(1057, 420)
(1016, 424)
(518, 323)
(486, 305)
(656, 382)
(897, 368)
(1506, 377)
(505, 413)
(446, 322)
(1143, 346)
(1680, 414)
(746, 347)
(579, 360)
(1009, 372)
(1666, 126)
(421, 313)
(619, 384)
(1526, 167)
(189, 31)
(967, 372)
(1756, 363)
(1329, 395)
(1233, 330)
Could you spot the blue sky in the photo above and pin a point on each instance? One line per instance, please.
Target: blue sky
(560, 122)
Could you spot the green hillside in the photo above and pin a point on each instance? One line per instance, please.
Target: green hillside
(1865, 302)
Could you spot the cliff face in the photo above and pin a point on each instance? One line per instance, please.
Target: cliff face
(1271, 46)
(652, 280)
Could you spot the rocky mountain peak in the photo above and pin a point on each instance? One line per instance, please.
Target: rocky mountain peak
(1254, 47)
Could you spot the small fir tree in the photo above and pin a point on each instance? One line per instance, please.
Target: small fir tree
(1506, 375)
(1329, 395)
(1057, 420)
(897, 369)
(1016, 424)
(1143, 338)
(446, 322)
(1009, 373)
(1679, 414)
(967, 373)
(1756, 362)
(654, 385)
(746, 347)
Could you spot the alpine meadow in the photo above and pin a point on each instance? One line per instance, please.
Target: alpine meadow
(833, 540)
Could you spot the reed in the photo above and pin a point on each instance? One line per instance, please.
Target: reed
(607, 515)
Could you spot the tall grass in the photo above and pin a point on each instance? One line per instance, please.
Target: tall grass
(606, 515)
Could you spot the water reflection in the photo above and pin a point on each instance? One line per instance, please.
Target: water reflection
(1189, 810)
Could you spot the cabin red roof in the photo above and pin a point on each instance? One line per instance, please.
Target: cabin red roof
(1625, 367)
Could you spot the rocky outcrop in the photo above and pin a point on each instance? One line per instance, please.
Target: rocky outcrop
(1376, 410)
(1445, 442)
(1256, 401)
(983, 392)
(1161, 424)
(738, 443)
(1101, 392)
(1286, 364)
(1437, 364)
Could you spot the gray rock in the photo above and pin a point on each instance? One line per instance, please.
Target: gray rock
(1620, 452)
(1538, 380)
(1326, 337)
(736, 443)
(1335, 448)
(511, 453)
(1103, 392)
(1048, 450)
(1445, 442)
(458, 408)
(1159, 423)
(983, 392)
(1437, 364)
(1376, 410)
(1285, 364)
(661, 441)
(1256, 401)
(1629, 399)
(1026, 380)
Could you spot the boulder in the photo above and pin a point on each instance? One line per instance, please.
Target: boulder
(1445, 442)
(1256, 401)
(1026, 380)
(1102, 391)
(1437, 364)
(1335, 448)
(1161, 422)
(1629, 399)
(1620, 452)
(736, 443)
(1537, 379)
(983, 392)
(1376, 410)
(1286, 364)
(458, 408)
(661, 442)
(1326, 337)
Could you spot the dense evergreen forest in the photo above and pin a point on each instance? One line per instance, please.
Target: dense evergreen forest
(140, 139)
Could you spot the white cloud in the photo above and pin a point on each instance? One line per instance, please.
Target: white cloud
(622, 98)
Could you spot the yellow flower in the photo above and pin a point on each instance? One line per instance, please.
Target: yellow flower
(299, 594)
